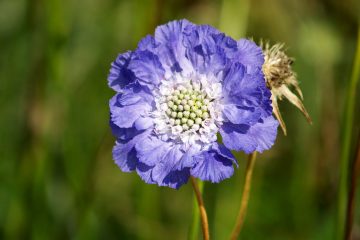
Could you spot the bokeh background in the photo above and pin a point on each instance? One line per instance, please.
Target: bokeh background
(57, 176)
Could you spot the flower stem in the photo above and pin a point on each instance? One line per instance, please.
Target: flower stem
(195, 223)
(346, 144)
(203, 215)
(352, 194)
(245, 197)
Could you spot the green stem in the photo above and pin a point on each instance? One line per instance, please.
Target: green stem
(346, 144)
(245, 197)
(195, 222)
(202, 210)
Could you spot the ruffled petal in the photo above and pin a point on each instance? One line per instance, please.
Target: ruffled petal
(120, 76)
(258, 137)
(123, 133)
(148, 43)
(152, 150)
(250, 55)
(144, 171)
(241, 88)
(214, 165)
(203, 52)
(125, 156)
(147, 68)
(169, 165)
(124, 152)
(264, 133)
(126, 108)
(171, 49)
(247, 92)
(241, 115)
(169, 170)
(144, 123)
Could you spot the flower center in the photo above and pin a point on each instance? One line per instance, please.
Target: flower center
(187, 109)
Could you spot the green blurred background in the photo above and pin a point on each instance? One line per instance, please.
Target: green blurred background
(57, 176)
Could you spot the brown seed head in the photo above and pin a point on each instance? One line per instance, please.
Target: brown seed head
(280, 78)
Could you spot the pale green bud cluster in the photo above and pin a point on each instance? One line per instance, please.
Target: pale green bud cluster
(187, 108)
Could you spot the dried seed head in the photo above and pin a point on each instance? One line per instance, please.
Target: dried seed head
(279, 78)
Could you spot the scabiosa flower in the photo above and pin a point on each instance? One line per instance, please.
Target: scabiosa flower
(176, 92)
(279, 78)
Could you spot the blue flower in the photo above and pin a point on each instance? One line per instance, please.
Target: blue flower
(176, 92)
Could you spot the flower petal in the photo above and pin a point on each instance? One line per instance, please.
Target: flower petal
(203, 52)
(147, 68)
(169, 171)
(171, 49)
(250, 54)
(214, 165)
(258, 137)
(144, 171)
(125, 109)
(241, 115)
(120, 76)
(124, 152)
(151, 150)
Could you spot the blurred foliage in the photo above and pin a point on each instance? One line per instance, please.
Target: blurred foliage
(57, 177)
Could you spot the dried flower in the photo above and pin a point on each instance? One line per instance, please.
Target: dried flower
(280, 78)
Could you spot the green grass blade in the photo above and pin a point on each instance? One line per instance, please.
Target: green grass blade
(346, 143)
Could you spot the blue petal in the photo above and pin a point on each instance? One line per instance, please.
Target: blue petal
(241, 115)
(171, 49)
(244, 89)
(152, 150)
(169, 164)
(264, 133)
(147, 68)
(144, 123)
(214, 165)
(171, 31)
(126, 108)
(144, 171)
(250, 55)
(123, 133)
(258, 137)
(205, 55)
(148, 43)
(177, 178)
(125, 156)
(229, 45)
(119, 76)
(124, 152)
(170, 171)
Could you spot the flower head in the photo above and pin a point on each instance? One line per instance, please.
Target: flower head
(279, 77)
(176, 92)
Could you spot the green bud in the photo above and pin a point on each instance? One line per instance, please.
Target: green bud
(205, 115)
(190, 122)
(170, 103)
